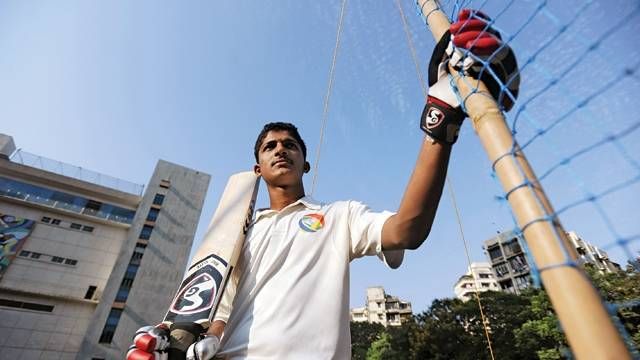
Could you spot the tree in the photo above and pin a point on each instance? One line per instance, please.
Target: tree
(520, 326)
(363, 334)
(541, 335)
(453, 329)
(381, 348)
(622, 289)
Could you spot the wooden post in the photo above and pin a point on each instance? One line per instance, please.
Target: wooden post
(586, 323)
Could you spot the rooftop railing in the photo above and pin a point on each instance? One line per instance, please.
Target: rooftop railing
(58, 167)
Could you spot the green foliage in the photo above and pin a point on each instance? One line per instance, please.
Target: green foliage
(452, 329)
(541, 334)
(520, 326)
(362, 336)
(380, 349)
(623, 290)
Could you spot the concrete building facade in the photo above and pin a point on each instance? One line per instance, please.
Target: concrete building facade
(382, 308)
(508, 262)
(512, 268)
(478, 278)
(87, 259)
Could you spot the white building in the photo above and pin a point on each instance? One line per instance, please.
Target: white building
(590, 254)
(478, 278)
(382, 308)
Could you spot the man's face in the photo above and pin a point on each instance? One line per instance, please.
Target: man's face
(280, 159)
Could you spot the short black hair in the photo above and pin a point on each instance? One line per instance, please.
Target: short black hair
(279, 126)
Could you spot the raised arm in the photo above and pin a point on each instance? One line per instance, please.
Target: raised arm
(469, 40)
(410, 226)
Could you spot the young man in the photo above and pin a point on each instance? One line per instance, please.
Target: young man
(289, 295)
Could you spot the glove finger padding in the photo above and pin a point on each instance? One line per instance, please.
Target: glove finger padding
(149, 343)
(476, 49)
(136, 354)
(151, 338)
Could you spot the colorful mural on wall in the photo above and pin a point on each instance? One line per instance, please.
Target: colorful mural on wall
(14, 231)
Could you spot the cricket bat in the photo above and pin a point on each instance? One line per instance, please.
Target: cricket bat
(199, 294)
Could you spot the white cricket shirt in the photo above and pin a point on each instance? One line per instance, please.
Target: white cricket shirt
(292, 281)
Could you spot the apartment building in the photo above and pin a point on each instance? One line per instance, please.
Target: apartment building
(478, 278)
(382, 308)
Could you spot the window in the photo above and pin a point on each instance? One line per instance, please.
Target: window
(71, 262)
(501, 270)
(90, 291)
(57, 259)
(93, 205)
(158, 200)
(140, 247)
(153, 214)
(495, 253)
(77, 204)
(519, 264)
(75, 226)
(122, 295)
(26, 305)
(64, 201)
(145, 234)
(24, 253)
(45, 219)
(35, 255)
(485, 276)
(132, 269)
(485, 285)
(126, 282)
(136, 256)
(87, 228)
(165, 183)
(512, 247)
(110, 327)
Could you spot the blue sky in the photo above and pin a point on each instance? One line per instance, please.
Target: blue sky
(113, 86)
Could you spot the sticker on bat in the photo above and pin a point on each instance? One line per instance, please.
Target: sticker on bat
(198, 291)
(198, 295)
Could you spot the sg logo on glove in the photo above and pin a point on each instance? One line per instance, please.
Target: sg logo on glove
(434, 117)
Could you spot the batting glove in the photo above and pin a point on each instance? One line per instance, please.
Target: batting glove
(204, 349)
(150, 343)
(467, 46)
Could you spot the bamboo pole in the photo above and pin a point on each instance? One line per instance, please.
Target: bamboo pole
(586, 323)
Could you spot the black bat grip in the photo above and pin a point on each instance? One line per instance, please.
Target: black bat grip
(181, 336)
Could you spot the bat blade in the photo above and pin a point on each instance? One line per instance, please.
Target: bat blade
(199, 294)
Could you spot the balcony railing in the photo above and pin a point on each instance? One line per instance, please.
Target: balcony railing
(76, 172)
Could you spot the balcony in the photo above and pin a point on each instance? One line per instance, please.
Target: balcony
(62, 201)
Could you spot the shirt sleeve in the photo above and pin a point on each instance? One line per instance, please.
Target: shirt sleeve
(365, 231)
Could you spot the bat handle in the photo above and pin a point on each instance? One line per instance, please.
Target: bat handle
(181, 336)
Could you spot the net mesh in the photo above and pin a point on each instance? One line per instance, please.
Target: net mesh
(575, 122)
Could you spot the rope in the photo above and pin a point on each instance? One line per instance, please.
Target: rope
(325, 110)
(466, 251)
(449, 184)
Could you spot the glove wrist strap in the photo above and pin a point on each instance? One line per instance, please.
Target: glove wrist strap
(441, 121)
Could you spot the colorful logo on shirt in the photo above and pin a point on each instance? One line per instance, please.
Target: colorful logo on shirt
(312, 222)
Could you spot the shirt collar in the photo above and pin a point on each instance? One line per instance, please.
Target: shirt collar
(306, 201)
